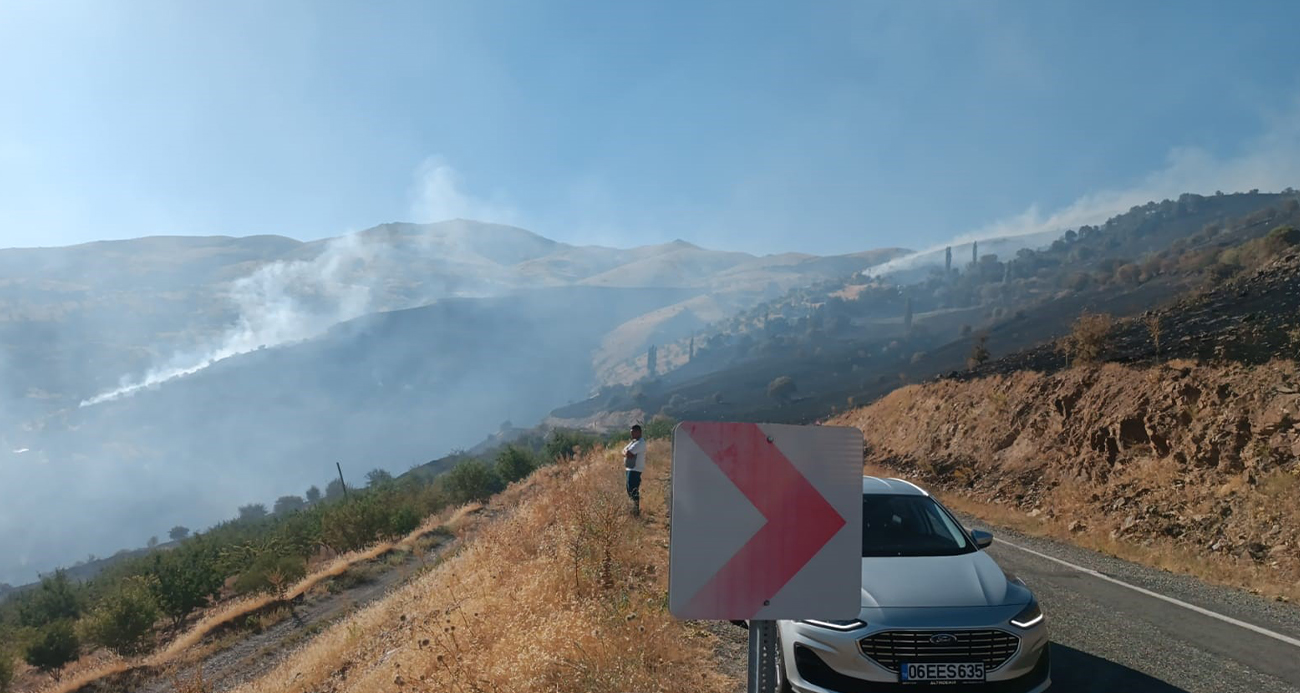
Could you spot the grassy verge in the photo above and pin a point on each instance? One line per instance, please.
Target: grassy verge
(227, 615)
(561, 590)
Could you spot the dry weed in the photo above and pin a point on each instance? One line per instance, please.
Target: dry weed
(563, 592)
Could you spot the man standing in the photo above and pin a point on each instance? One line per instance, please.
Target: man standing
(634, 462)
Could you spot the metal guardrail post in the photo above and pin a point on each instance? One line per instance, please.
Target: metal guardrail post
(762, 657)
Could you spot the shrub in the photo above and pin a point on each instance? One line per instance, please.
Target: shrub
(1128, 274)
(53, 648)
(564, 444)
(471, 481)
(287, 504)
(178, 533)
(402, 521)
(1090, 335)
(252, 512)
(1154, 328)
(378, 477)
(271, 573)
(659, 427)
(979, 353)
(514, 463)
(6, 670)
(782, 388)
(335, 490)
(123, 621)
(57, 599)
(184, 579)
(1282, 237)
(365, 519)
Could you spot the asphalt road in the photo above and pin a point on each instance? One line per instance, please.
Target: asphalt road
(1110, 637)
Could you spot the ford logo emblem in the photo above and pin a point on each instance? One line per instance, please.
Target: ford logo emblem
(943, 639)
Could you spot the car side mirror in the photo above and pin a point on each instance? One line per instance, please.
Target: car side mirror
(982, 539)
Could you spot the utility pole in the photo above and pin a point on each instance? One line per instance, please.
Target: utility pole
(342, 483)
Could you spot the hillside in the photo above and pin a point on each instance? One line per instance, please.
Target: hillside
(393, 390)
(1187, 457)
(166, 380)
(852, 340)
(1186, 463)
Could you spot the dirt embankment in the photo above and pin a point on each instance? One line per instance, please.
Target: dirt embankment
(1189, 467)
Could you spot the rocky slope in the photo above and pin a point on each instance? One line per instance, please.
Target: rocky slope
(1190, 452)
(1204, 459)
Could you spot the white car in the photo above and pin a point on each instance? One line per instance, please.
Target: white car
(937, 611)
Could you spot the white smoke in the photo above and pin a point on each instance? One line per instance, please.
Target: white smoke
(1271, 162)
(280, 303)
(287, 302)
(439, 194)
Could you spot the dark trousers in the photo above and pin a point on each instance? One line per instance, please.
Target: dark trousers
(634, 486)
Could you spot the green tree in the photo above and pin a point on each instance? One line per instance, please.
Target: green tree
(335, 490)
(54, 647)
(564, 444)
(313, 495)
(6, 669)
(123, 621)
(252, 512)
(659, 427)
(184, 579)
(471, 480)
(273, 572)
(365, 519)
(377, 477)
(514, 463)
(288, 504)
(57, 599)
(178, 533)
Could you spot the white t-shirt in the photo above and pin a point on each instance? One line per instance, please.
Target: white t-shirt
(636, 447)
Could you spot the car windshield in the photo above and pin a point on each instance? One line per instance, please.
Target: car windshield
(899, 525)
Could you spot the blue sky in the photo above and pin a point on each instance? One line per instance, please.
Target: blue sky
(821, 127)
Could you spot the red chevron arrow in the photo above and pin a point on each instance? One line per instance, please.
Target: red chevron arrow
(799, 520)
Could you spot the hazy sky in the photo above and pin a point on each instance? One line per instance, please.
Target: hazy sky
(817, 126)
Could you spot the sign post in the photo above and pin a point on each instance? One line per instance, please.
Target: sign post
(762, 657)
(766, 525)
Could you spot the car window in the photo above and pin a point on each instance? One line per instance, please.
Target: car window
(899, 525)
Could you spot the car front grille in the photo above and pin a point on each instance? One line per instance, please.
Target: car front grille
(890, 648)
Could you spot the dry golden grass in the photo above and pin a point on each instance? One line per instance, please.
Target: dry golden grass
(79, 677)
(563, 592)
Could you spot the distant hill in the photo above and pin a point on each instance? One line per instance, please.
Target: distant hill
(166, 380)
(847, 341)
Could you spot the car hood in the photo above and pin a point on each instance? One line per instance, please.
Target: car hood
(966, 580)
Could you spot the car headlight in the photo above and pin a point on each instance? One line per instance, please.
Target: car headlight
(1029, 616)
(840, 625)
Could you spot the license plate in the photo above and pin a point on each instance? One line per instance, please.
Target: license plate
(942, 673)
